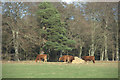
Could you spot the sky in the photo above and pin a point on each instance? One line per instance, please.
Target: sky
(68, 1)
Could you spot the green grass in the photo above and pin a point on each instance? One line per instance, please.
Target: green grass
(59, 70)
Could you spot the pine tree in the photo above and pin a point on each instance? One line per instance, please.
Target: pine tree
(53, 30)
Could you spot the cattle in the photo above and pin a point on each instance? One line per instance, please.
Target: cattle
(66, 58)
(89, 58)
(41, 56)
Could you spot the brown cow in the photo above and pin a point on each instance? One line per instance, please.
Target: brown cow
(41, 56)
(66, 58)
(89, 58)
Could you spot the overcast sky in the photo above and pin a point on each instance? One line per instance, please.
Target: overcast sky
(68, 1)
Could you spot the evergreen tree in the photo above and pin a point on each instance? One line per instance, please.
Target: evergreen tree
(53, 30)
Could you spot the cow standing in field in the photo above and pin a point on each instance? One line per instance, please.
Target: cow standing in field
(89, 58)
(41, 56)
(66, 58)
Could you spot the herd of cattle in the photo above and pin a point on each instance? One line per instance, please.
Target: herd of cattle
(65, 58)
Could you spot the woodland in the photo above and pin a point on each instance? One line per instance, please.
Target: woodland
(58, 28)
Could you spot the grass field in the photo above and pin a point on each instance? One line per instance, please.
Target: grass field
(30, 69)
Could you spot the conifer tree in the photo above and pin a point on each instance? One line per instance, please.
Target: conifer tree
(53, 30)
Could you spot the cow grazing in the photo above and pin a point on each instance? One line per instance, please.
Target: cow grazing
(41, 56)
(66, 58)
(89, 58)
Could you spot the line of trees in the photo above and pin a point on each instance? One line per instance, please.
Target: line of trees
(78, 29)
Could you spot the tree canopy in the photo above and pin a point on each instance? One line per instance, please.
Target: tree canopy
(78, 29)
(53, 29)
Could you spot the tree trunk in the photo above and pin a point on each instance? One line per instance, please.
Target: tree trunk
(106, 54)
(43, 41)
(40, 49)
(16, 47)
(113, 55)
(1, 45)
(102, 55)
(15, 41)
(117, 46)
(80, 52)
(105, 42)
(93, 41)
(89, 51)
(92, 50)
